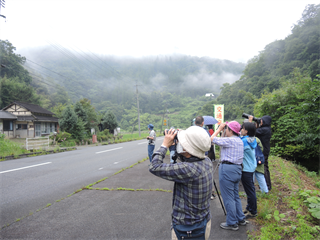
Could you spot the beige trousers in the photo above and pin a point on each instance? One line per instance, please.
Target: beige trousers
(208, 228)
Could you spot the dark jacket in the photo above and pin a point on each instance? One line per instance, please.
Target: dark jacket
(264, 134)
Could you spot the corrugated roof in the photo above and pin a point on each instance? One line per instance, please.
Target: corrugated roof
(31, 107)
(7, 115)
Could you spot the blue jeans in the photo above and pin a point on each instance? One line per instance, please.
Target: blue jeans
(229, 178)
(150, 151)
(262, 181)
(171, 154)
(248, 185)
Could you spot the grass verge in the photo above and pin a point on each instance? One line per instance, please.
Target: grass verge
(291, 210)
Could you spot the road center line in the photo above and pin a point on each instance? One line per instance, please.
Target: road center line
(109, 150)
(142, 143)
(25, 167)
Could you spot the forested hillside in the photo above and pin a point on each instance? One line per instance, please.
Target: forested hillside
(283, 81)
(107, 80)
(301, 49)
(61, 76)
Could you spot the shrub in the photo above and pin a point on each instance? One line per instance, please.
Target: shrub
(63, 136)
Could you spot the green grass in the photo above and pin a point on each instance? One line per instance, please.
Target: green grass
(284, 213)
(134, 136)
(9, 147)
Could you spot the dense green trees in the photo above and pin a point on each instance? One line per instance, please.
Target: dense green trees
(13, 89)
(283, 82)
(73, 124)
(14, 79)
(295, 111)
(109, 121)
(11, 63)
(301, 49)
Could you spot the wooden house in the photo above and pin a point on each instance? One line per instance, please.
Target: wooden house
(26, 120)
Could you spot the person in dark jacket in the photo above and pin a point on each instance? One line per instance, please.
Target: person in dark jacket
(264, 134)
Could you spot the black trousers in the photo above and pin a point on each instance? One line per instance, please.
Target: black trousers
(248, 185)
(266, 172)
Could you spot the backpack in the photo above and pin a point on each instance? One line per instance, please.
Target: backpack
(259, 155)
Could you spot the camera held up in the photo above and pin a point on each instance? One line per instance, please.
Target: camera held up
(257, 120)
(175, 155)
(175, 131)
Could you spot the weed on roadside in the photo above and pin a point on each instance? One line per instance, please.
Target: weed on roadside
(291, 209)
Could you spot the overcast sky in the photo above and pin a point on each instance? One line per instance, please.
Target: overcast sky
(233, 30)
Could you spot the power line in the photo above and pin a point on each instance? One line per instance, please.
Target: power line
(47, 68)
(38, 79)
(74, 58)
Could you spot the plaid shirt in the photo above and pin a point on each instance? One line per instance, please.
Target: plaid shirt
(193, 183)
(231, 149)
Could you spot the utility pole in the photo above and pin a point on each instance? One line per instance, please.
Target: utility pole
(137, 92)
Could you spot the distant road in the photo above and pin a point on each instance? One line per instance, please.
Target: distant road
(31, 183)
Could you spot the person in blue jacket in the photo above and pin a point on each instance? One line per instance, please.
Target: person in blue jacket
(249, 166)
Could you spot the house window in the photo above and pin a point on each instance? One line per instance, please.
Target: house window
(21, 126)
(7, 125)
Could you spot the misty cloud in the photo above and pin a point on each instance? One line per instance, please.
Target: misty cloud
(210, 79)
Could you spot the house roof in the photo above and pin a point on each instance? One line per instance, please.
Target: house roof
(31, 107)
(7, 115)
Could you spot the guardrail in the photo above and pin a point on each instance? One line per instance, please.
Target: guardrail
(36, 143)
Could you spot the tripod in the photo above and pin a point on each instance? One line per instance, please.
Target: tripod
(215, 186)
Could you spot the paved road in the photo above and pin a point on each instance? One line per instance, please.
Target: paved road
(30, 184)
(140, 211)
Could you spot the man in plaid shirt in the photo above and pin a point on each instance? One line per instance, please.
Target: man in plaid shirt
(193, 180)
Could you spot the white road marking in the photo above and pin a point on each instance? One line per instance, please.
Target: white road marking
(109, 150)
(25, 167)
(101, 168)
(115, 163)
(142, 143)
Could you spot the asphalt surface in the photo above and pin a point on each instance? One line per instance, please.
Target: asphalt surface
(140, 209)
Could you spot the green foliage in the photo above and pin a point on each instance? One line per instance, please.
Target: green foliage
(283, 212)
(92, 117)
(14, 89)
(312, 200)
(79, 131)
(8, 147)
(278, 60)
(13, 63)
(62, 136)
(69, 143)
(68, 120)
(58, 110)
(295, 111)
(109, 121)
(80, 112)
(72, 124)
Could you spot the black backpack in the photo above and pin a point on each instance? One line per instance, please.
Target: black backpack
(259, 155)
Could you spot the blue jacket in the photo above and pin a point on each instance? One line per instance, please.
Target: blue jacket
(249, 157)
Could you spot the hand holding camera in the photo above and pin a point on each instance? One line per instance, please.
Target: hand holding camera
(250, 117)
(169, 136)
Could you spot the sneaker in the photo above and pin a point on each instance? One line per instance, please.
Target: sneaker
(245, 211)
(213, 196)
(243, 222)
(250, 215)
(234, 227)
